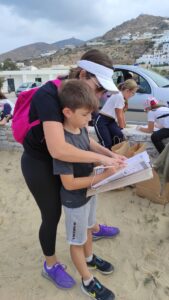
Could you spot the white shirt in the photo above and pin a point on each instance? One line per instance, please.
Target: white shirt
(154, 114)
(114, 101)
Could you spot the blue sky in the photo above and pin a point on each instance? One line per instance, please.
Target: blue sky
(26, 22)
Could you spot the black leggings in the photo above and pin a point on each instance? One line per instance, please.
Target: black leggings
(45, 187)
(108, 131)
(157, 138)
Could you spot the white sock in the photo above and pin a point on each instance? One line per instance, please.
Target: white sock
(49, 267)
(87, 282)
(89, 258)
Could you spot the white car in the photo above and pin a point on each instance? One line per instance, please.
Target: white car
(150, 84)
(26, 86)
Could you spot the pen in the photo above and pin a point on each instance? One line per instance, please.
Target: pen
(103, 167)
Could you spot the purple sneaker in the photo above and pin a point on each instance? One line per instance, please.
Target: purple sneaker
(105, 232)
(58, 276)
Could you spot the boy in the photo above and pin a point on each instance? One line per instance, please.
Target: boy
(78, 101)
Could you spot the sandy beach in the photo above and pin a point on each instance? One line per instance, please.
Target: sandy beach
(140, 253)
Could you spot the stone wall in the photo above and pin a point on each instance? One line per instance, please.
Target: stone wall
(136, 136)
(7, 141)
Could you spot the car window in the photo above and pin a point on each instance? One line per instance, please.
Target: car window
(144, 87)
(118, 77)
(38, 83)
(33, 85)
(157, 78)
(24, 85)
(122, 75)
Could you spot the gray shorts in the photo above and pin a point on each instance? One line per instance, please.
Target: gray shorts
(78, 220)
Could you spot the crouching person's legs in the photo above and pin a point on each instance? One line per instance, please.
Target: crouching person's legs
(157, 138)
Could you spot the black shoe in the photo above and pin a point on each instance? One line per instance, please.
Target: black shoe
(101, 265)
(97, 291)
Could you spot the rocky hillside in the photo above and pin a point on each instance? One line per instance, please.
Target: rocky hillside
(121, 53)
(142, 23)
(34, 50)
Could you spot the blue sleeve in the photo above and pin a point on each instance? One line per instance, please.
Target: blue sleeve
(7, 109)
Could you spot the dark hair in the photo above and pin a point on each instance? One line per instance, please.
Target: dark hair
(98, 57)
(2, 96)
(95, 56)
(76, 94)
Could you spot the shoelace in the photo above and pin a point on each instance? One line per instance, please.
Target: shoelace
(97, 258)
(105, 228)
(96, 286)
(60, 264)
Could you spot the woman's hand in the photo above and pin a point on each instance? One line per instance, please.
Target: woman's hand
(3, 121)
(118, 156)
(117, 162)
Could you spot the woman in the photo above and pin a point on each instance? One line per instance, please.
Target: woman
(46, 141)
(5, 109)
(158, 116)
(111, 119)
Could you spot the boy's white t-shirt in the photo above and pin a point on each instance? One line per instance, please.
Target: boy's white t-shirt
(114, 101)
(154, 114)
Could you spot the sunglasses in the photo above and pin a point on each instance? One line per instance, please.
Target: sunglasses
(99, 88)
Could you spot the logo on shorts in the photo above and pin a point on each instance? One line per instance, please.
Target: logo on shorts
(74, 231)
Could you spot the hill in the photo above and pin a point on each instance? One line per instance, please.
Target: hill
(35, 50)
(141, 24)
(122, 53)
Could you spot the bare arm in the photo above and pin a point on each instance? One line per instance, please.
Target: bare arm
(60, 149)
(4, 121)
(96, 147)
(148, 129)
(120, 117)
(72, 183)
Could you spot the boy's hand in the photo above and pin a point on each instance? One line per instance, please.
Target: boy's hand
(111, 170)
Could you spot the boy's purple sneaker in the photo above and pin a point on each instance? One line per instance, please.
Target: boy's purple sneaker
(105, 232)
(58, 276)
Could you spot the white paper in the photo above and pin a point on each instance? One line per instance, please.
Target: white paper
(138, 162)
(145, 174)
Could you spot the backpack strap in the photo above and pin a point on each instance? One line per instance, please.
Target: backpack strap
(163, 116)
(56, 82)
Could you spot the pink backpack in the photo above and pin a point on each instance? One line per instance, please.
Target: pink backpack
(20, 120)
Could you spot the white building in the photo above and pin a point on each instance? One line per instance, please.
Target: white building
(95, 43)
(20, 64)
(125, 38)
(166, 47)
(49, 53)
(154, 59)
(158, 57)
(13, 79)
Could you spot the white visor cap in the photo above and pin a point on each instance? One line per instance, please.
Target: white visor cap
(103, 74)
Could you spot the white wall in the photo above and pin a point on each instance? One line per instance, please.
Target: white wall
(27, 75)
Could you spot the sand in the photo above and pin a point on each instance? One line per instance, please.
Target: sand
(140, 253)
